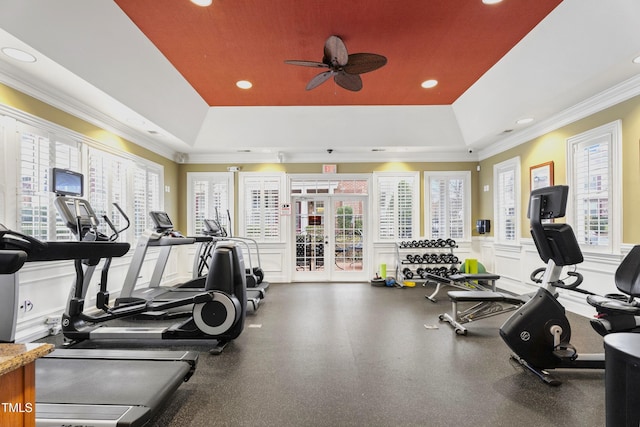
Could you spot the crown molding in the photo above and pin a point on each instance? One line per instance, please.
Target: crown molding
(605, 99)
(338, 156)
(84, 112)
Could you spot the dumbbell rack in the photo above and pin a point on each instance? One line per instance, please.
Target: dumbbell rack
(417, 259)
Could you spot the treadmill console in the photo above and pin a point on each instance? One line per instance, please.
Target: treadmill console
(162, 224)
(213, 228)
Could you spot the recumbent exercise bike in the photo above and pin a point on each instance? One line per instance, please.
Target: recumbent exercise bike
(539, 332)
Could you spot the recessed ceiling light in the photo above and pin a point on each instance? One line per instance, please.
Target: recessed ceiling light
(203, 3)
(427, 84)
(19, 55)
(636, 60)
(524, 121)
(491, 1)
(244, 84)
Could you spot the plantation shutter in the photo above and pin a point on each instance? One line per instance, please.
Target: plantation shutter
(447, 195)
(39, 152)
(591, 189)
(262, 207)
(210, 199)
(396, 200)
(506, 214)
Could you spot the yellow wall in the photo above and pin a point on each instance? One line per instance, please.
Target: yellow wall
(30, 105)
(545, 148)
(552, 146)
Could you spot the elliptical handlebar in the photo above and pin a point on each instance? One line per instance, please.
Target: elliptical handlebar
(116, 233)
(536, 277)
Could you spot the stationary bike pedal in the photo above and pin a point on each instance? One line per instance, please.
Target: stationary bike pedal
(565, 352)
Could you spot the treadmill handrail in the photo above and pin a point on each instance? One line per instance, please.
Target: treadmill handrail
(38, 250)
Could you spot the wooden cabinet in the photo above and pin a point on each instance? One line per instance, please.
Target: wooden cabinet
(18, 383)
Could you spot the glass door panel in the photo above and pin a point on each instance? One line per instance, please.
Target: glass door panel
(329, 238)
(348, 234)
(311, 237)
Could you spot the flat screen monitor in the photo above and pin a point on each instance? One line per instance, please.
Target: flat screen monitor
(213, 228)
(161, 221)
(553, 202)
(66, 183)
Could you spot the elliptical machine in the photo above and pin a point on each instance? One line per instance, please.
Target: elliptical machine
(218, 312)
(539, 331)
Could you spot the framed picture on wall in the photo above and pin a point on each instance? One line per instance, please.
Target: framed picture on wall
(541, 175)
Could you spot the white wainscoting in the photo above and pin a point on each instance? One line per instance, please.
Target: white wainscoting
(273, 260)
(514, 263)
(46, 286)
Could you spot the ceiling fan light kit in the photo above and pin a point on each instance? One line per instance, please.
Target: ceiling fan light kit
(343, 67)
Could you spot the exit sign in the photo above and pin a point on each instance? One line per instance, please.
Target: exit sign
(329, 168)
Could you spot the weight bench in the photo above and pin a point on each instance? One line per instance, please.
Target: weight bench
(474, 282)
(485, 303)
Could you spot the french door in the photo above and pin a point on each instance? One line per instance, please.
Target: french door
(330, 238)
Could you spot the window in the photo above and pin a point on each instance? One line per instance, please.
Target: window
(146, 195)
(397, 197)
(132, 182)
(211, 197)
(261, 206)
(447, 205)
(107, 184)
(39, 152)
(506, 201)
(593, 156)
(109, 179)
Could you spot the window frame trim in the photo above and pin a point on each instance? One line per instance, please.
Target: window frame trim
(375, 217)
(12, 149)
(283, 197)
(614, 129)
(515, 164)
(193, 176)
(466, 177)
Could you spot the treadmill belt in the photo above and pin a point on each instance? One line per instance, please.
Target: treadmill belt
(107, 382)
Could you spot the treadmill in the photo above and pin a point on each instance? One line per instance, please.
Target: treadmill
(85, 387)
(164, 236)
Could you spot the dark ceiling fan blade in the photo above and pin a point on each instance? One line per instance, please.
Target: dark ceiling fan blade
(359, 63)
(307, 63)
(335, 52)
(319, 79)
(351, 82)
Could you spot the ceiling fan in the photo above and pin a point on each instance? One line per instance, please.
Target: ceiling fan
(345, 68)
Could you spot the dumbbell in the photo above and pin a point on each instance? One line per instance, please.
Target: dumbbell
(407, 273)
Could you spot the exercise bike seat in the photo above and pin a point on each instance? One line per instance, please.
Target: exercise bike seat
(613, 306)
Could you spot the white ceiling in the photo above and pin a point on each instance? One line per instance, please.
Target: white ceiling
(95, 63)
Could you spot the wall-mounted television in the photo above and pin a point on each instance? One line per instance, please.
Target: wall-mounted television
(67, 183)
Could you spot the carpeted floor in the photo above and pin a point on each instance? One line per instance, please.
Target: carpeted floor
(348, 354)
